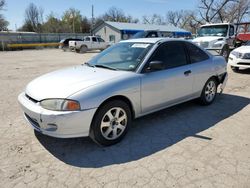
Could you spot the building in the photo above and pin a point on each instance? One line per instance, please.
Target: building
(116, 31)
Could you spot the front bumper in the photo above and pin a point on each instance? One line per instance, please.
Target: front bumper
(56, 124)
(236, 62)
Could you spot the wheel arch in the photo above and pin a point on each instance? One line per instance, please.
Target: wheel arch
(121, 98)
(113, 98)
(84, 45)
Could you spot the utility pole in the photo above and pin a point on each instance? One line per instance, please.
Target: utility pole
(92, 20)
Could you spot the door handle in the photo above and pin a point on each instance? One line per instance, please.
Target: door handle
(186, 73)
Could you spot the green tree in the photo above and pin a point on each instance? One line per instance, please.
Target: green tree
(3, 23)
(53, 24)
(72, 18)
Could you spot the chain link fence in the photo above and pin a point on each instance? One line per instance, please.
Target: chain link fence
(9, 38)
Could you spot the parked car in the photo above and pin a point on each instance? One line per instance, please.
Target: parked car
(240, 57)
(89, 43)
(148, 34)
(128, 80)
(64, 43)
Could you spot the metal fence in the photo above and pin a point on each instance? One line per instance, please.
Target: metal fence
(7, 38)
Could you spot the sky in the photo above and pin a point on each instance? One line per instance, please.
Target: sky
(14, 11)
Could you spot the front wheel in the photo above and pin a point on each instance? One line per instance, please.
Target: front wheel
(209, 92)
(111, 123)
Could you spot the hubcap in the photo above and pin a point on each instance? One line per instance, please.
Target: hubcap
(210, 91)
(113, 123)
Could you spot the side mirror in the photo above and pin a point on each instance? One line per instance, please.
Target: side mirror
(156, 65)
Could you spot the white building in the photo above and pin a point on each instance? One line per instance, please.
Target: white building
(116, 31)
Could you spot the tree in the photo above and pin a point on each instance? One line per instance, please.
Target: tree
(33, 19)
(153, 19)
(117, 15)
(184, 19)
(85, 25)
(235, 12)
(53, 24)
(3, 22)
(72, 19)
(209, 10)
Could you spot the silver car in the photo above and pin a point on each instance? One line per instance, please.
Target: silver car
(133, 78)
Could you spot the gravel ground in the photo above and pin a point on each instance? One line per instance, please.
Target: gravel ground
(184, 146)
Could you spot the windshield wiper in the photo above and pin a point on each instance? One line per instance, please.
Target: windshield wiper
(105, 67)
(86, 63)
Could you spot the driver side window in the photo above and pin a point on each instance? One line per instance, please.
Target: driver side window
(172, 54)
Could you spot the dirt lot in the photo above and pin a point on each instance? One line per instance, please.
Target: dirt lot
(184, 146)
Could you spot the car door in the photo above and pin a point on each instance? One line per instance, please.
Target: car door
(102, 43)
(95, 43)
(171, 85)
(201, 67)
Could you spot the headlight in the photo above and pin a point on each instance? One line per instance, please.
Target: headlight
(237, 54)
(246, 56)
(60, 104)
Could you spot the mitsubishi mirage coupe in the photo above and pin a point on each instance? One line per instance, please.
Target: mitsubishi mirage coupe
(133, 78)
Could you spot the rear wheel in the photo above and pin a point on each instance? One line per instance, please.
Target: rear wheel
(83, 49)
(111, 123)
(209, 92)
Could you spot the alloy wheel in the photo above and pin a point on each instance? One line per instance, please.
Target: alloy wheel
(113, 123)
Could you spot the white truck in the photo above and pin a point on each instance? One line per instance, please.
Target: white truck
(88, 43)
(219, 37)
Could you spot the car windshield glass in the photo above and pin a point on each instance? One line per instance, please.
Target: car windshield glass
(214, 30)
(141, 34)
(122, 56)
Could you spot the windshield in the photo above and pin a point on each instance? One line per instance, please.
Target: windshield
(213, 30)
(122, 56)
(141, 34)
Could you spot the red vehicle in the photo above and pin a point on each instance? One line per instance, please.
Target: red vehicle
(243, 32)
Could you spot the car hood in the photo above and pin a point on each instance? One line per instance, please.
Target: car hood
(63, 83)
(207, 39)
(243, 49)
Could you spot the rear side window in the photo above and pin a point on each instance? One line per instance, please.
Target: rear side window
(87, 39)
(171, 53)
(100, 40)
(195, 53)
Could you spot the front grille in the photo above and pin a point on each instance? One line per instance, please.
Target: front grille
(32, 121)
(204, 44)
(31, 99)
(240, 63)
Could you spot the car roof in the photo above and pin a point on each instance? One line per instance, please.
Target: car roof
(152, 40)
(215, 24)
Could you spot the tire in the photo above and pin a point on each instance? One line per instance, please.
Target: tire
(235, 69)
(209, 92)
(83, 49)
(225, 52)
(106, 128)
